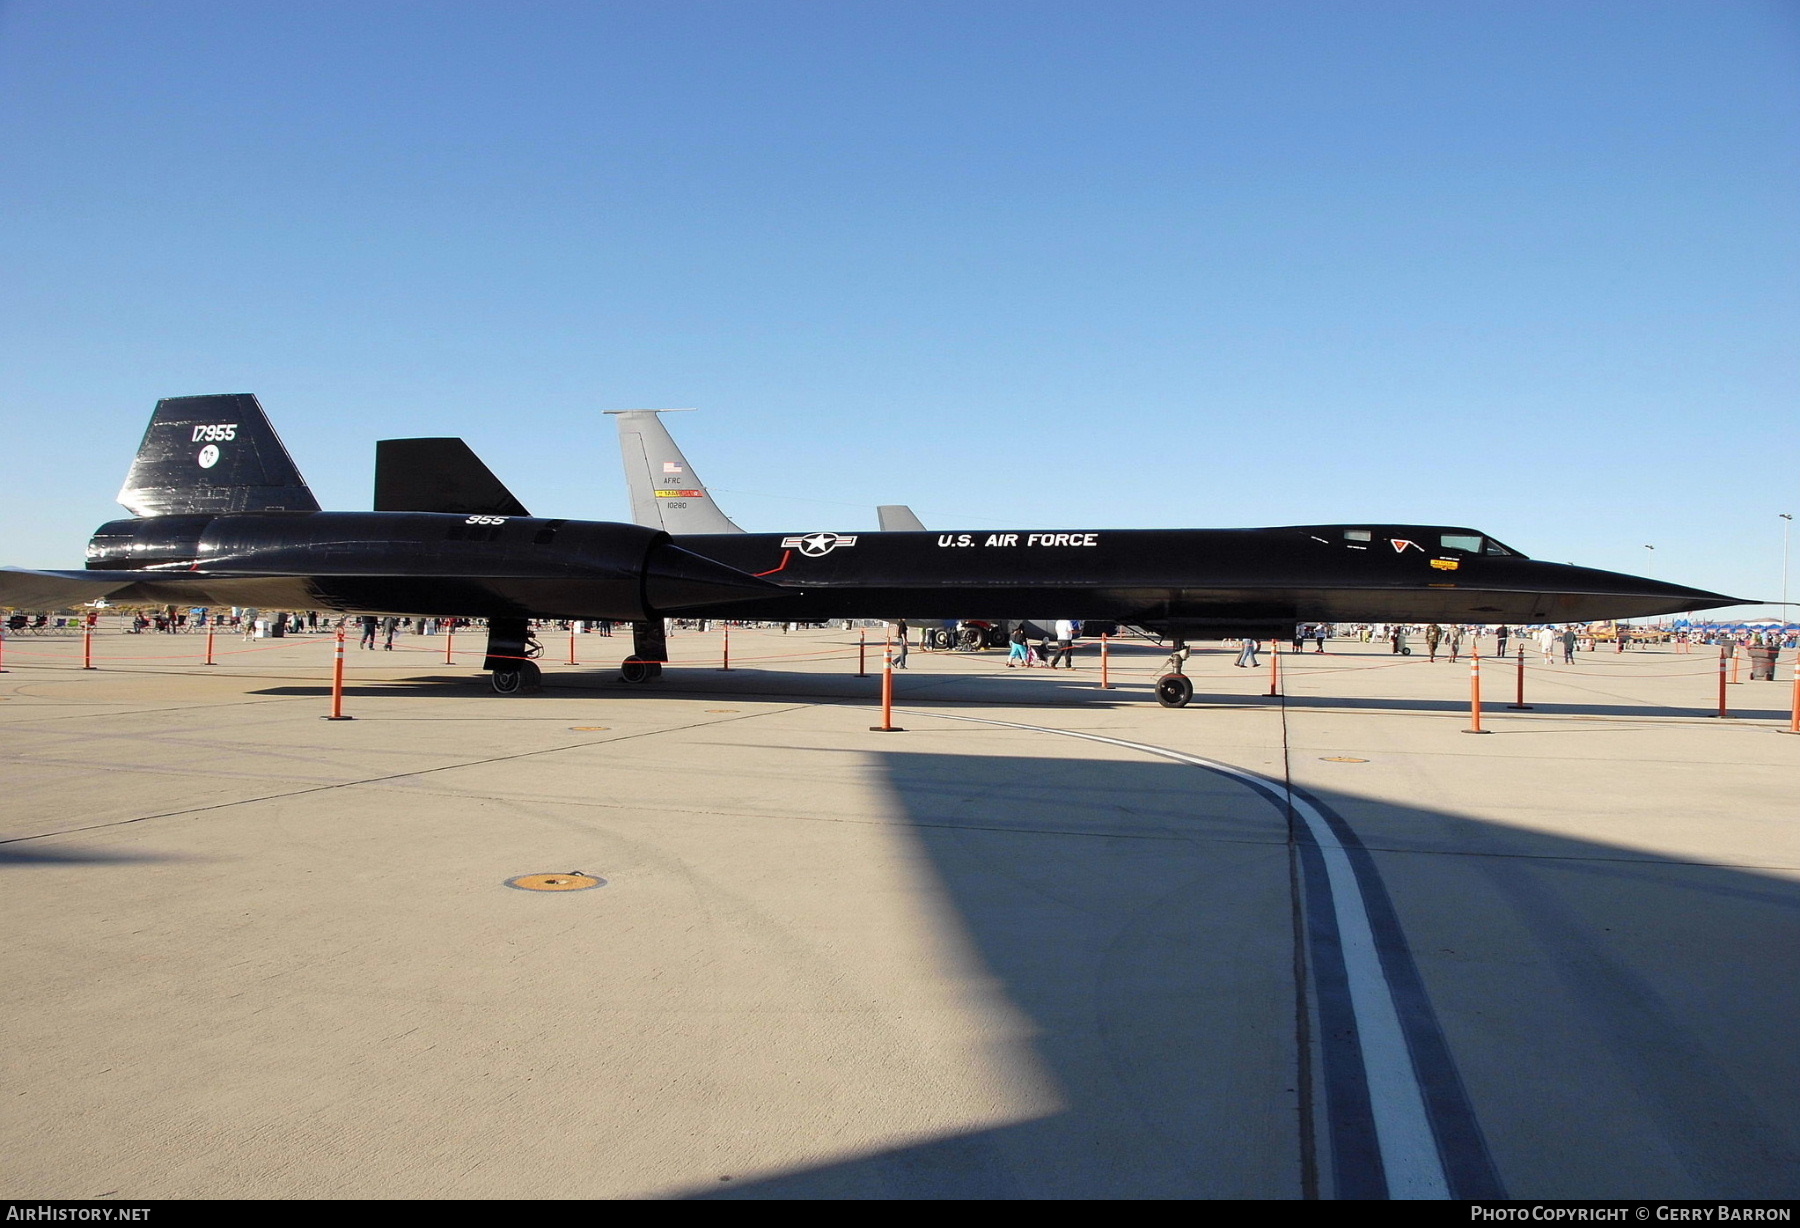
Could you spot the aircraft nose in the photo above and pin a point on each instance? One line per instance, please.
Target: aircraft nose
(1610, 594)
(678, 579)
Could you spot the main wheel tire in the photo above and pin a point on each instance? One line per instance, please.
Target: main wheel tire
(520, 679)
(634, 671)
(1174, 690)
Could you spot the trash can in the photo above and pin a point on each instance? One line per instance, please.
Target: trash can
(1762, 662)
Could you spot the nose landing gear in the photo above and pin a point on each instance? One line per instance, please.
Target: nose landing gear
(1174, 689)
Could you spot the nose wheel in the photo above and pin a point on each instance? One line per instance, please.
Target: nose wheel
(1174, 690)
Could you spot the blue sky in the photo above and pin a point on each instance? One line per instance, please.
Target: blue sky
(1529, 267)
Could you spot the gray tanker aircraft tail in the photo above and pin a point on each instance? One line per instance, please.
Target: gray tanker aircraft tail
(223, 517)
(667, 494)
(898, 518)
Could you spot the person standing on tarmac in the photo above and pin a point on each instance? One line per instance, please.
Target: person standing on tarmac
(1502, 634)
(1020, 653)
(368, 632)
(900, 644)
(1065, 643)
(1434, 635)
(1247, 655)
(1456, 634)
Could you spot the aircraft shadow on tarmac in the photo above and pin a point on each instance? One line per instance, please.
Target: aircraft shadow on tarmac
(1071, 689)
(1621, 1022)
(774, 686)
(20, 854)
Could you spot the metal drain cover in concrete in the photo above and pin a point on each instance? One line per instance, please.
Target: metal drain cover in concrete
(574, 880)
(1342, 759)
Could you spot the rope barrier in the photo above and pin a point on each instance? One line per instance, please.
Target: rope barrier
(139, 657)
(1304, 664)
(1606, 667)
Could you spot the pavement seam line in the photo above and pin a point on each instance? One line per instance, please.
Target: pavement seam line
(374, 780)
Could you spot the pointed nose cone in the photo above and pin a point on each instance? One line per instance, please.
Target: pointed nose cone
(1609, 594)
(677, 579)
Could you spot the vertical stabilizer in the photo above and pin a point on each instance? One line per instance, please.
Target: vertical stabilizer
(438, 475)
(665, 492)
(210, 455)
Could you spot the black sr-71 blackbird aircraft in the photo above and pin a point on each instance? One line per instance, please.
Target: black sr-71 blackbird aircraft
(221, 516)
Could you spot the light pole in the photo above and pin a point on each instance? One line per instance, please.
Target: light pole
(1787, 522)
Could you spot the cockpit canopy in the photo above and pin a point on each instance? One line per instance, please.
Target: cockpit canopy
(1431, 540)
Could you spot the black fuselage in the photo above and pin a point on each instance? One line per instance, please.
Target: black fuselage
(1194, 582)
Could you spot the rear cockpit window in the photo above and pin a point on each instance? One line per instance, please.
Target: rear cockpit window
(1358, 535)
(1461, 541)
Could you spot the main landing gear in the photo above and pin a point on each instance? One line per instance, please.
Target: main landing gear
(1174, 689)
(649, 649)
(519, 679)
(968, 637)
(509, 649)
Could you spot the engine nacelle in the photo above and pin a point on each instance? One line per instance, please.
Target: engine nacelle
(423, 563)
